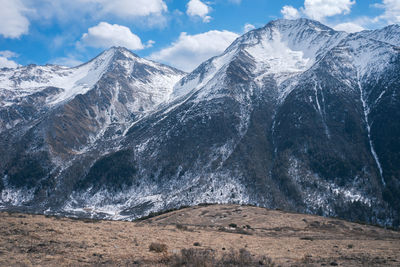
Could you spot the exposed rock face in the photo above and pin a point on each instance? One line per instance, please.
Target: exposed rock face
(294, 115)
(51, 115)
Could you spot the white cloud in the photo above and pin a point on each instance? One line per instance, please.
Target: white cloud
(130, 8)
(5, 62)
(248, 27)
(67, 61)
(191, 50)
(150, 43)
(391, 11)
(322, 9)
(349, 27)
(319, 9)
(198, 8)
(146, 13)
(8, 54)
(13, 19)
(290, 12)
(105, 35)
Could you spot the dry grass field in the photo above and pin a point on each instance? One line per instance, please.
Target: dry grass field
(215, 235)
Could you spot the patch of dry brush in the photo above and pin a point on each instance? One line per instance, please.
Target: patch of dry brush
(207, 258)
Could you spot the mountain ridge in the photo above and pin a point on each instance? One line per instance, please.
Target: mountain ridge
(293, 115)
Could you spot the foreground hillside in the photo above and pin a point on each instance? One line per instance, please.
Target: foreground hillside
(286, 239)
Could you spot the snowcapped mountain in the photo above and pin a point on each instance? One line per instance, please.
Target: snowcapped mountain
(52, 114)
(389, 34)
(109, 91)
(294, 115)
(25, 81)
(280, 50)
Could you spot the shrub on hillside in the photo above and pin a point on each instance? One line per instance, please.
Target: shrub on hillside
(158, 248)
(207, 258)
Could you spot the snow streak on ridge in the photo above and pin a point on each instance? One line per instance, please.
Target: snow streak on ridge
(366, 113)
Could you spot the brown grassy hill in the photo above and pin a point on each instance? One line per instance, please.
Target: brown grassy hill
(216, 235)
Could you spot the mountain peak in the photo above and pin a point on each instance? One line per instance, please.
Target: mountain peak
(122, 55)
(81, 79)
(298, 23)
(298, 33)
(280, 47)
(390, 34)
(116, 52)
(393, 26)
(121, 49)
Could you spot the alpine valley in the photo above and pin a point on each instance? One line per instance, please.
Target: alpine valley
(293, 116)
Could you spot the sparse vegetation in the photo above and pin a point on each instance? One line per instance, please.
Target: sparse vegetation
(208, 258)
(210, 241)
(193, 258)
(235, 230)
(307, 258)
(158, 247)
(244, 258)
(242, 231)
(182, 227)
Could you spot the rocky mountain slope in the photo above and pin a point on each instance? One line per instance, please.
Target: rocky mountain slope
(50, 115)
(294, 116)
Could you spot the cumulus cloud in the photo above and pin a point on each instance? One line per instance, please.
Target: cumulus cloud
(198, 8)
(319, 9)
(190, 50)
(68, 61)
(349, 27)
(127, 8)
(8, 54)
(5, 61)
(391, 11)
(14, 22)
(148, 13)
(105, 35)
(290, 12)
(248, 27)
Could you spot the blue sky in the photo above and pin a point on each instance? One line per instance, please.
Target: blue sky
(181, 33)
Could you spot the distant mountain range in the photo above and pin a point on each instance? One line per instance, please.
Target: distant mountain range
(294, 115)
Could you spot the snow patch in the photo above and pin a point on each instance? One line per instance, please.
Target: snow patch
(366, 113)
(15, 197)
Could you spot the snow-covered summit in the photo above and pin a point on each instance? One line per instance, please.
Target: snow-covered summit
(390, 34)
(27, 80)
(281, 48)
(130, 86)
(285, 48)
(369, 56)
